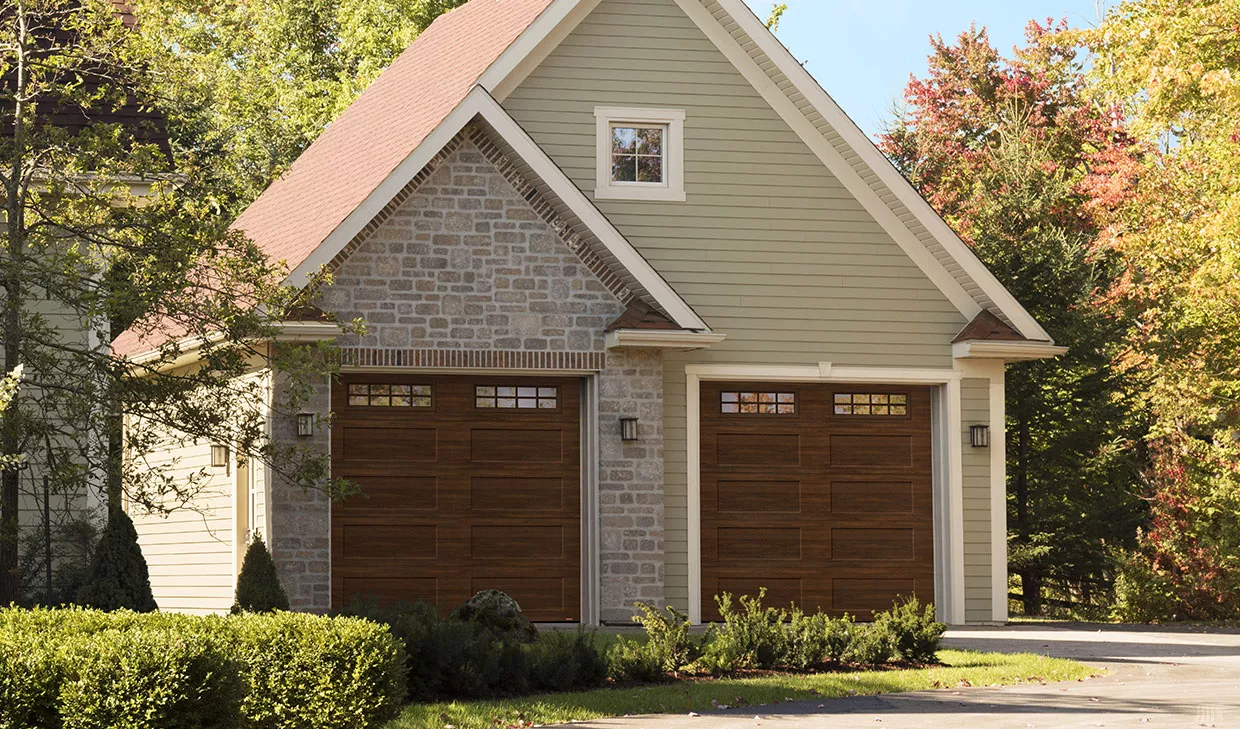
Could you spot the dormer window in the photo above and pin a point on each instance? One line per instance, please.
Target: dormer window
(640, 154)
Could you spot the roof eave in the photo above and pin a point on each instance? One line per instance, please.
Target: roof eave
(662, 339)
(1008, 351)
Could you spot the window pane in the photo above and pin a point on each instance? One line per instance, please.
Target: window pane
(624, 168)
(650, 169)
(650, 141)
(623, 139)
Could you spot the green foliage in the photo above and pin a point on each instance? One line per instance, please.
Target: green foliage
(149, 678)
(869, 645)
(631, 661)
(118, 578)
(915, 632)
(460, 659)
(1142, 595)
(668, 633)
(1015, 156)
(814, 639)
(258, 585)
(1173, 219)
(752, 636)
(249, 85)
(85, 669)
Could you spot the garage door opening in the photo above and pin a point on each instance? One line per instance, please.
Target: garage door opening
(820, 493)
(468, 483)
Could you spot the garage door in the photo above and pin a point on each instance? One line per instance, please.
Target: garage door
(467, 484)
(819, 493)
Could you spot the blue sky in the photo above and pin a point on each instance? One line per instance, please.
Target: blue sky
(862, 51)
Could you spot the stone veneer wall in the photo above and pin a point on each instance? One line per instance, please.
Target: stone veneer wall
(631, 484)
(462, 267)
(300, 538)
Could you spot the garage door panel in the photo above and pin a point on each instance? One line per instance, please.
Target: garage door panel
(388, 590)
(498, 506)
(850, 504)
(381, 495)
(768, 450)
(518, 493)
(872, 497)
(747, 496)
(519, 445)
(389, 445)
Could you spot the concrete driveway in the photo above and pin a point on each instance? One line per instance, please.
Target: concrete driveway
(1157, 677)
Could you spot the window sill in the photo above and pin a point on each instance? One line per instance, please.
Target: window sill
(655, 194)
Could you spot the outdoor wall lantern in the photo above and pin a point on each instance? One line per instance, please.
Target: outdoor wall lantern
(219, 456)
(305, 424)
(979, 436)
(628, 429)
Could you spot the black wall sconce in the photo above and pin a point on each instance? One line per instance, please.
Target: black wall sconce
(979, 436)
(305, 425)
(219, 456)
(628, 429)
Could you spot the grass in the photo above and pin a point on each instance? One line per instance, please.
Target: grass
(960, 668)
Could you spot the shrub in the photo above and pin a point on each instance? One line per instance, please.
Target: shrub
(913, 630)
(668, 633)
(258, 586)
(150, 678)
(499, 612)
(464, 659)
(814, 639)
(752, 636)
(563, 661)
(869, 645)
(81, 669)
(118, 577)
(1142, 595)
(629, 661)
(309, 672)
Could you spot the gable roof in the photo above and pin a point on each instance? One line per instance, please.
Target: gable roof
(827, 130)
(444, 80)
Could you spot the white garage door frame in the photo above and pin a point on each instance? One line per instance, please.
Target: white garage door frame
(947, 443)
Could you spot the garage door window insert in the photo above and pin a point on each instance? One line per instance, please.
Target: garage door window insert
(880, 404)
(375, 395)
(758, 403)
(517, 397)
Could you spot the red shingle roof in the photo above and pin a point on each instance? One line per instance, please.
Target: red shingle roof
(383, 127)
(986, 326)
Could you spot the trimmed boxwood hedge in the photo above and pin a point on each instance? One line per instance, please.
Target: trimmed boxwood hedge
(85, 669)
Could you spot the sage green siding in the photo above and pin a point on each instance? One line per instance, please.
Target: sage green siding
(975, 410)
(769, 247)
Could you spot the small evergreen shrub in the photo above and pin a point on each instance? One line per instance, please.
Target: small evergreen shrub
(668, 633)
(258, 585)
(869, 645)
(751, 636)
(808, 639)
(467, 659)
(629, 661)
(118, 577)
(912, 629)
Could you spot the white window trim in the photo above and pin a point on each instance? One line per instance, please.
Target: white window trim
(948, 477)
(673, 187)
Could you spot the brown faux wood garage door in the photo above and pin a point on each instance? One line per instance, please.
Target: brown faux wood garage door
(468, 483)
(819, 493)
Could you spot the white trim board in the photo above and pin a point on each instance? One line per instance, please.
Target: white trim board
(479, 103)
(562, 16)
(947, 439)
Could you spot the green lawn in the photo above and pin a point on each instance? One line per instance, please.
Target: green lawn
(961, 668)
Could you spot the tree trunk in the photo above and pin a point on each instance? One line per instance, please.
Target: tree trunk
(10, 435)
(1030, 580)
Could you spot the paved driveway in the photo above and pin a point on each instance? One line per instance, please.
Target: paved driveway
(1157, 677)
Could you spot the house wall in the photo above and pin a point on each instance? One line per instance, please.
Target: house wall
(975, 410)
(462, 269)
(769, 247)
(190, 552)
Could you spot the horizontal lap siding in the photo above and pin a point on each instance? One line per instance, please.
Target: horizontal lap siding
(975, 410)
(190, 552)
(769, 247)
